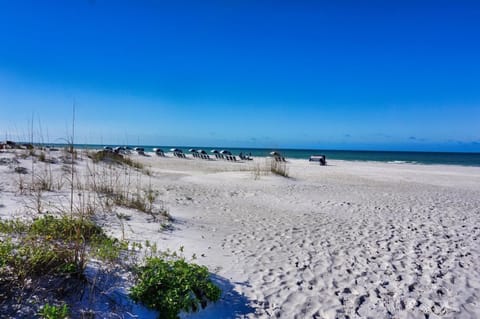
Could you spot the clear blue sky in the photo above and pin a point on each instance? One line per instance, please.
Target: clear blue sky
(306, 74)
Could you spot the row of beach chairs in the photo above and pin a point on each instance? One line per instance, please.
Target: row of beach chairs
(230, 158)
(201, 155)
(227, 157)
(179, 154)
(223, 155)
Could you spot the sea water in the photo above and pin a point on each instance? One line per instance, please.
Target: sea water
(393, 157)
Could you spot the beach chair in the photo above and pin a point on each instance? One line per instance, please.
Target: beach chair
(159, 152)
(321, 159)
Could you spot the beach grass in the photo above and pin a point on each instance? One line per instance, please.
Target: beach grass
(56, 243)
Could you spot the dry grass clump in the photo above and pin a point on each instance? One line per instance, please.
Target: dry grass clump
(43, 179)
(278, 168)
(124, 185)
(114, 158)
(105, 156)
(42, 157)
(270, 166)
(258, 171)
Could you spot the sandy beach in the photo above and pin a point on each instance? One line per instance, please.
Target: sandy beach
(346, 240)
(239, 159)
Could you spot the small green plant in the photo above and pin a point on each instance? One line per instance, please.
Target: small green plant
(54, 312)
(12, 226)
(173, 285)
(108, 249)
(6, 253)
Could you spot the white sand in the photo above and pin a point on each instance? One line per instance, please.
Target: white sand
(352, 239)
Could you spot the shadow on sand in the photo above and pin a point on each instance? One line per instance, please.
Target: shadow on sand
(108, 298)
(231, 304)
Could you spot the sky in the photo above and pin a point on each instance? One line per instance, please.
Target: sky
(372, 75)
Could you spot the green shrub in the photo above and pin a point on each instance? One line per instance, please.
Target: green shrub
(6, 252)
(37, 258)
(53, 245)
(171, 286)
(68, 229)
(32, 258)
(12, 226)
(64, 228)
(54, 312)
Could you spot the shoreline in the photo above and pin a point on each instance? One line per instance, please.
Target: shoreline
(470, 159)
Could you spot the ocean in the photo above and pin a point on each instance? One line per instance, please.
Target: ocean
(394, 157)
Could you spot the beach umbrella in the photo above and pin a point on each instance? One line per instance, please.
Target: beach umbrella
(275, 153)
(176, 150)
(157, 150)
(202, 152)
(192, 150)
(214, 151)
(225, 152)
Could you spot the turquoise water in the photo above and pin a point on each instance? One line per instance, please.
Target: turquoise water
(466, 159)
